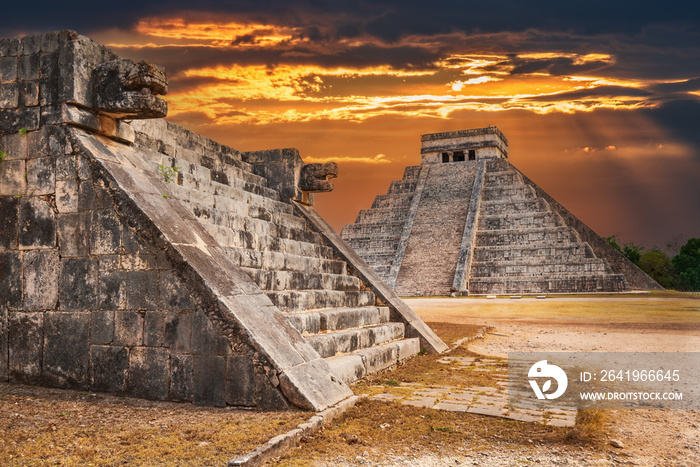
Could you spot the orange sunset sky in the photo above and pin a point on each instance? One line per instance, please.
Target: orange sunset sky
(600, 102)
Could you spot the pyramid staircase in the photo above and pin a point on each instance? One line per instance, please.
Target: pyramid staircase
(523, 246)
(376, 232)
(276, 247)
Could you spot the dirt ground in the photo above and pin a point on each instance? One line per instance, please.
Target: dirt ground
(650, 437)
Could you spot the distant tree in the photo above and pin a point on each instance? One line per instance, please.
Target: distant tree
(659, 266)
(612, 240)
(687, 265)
(632, 251)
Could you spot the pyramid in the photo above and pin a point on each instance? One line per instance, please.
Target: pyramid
(140, 258)
(466, 221)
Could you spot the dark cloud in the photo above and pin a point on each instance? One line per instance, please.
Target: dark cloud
(601, 91)
(680, 119)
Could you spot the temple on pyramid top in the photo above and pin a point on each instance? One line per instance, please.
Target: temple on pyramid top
(466, 221)
(458, 146)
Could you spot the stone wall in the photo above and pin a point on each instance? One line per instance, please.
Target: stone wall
(86, 303)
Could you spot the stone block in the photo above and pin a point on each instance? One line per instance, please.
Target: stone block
(41, 176)
(74, 234)
(66, 349)
(178, 331)
(25, 345)
(29, 66)
(12, 181)
(78, 289)
(15, 146)
(41, 270)
(206, 339)
(29, 93)
(181, 377)
(67, 196)
(101, 327)
(11, 278)
(48, 69)
(9, 95)
(31, 45)
(142, 290)
(49, 42)
(209, 380)
(108, 368)
(48, 92)
(240, 381)
(149, 373)
(173, 293)
(10, 47)
(106, 233)
(37, 228)
(113, 284)
(37, 143)
(9, 227)
(67, 168)
(128, 328)
(86, 195)
(8, 69)
(153, 327)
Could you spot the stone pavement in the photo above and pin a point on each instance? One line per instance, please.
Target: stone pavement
(492, 401)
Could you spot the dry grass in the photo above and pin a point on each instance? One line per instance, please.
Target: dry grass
(631, 312)
(40, 427)
(377, 430)
(425, 370)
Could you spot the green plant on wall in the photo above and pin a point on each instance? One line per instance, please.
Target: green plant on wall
(168, 173)
(2, 155)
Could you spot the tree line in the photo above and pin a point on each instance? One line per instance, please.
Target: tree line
(680, 272)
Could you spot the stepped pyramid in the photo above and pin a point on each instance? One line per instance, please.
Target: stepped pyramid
(139, 258)
(467, 221)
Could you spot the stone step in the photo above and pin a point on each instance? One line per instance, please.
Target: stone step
(392, 201)
(402, 187)
(512, 206)
(252, 240)
(507, 192)
(305, 300)
(350, 340)
(357, 365)
(368, 229)
(543, 267)
(561, 234)
(368, 244)
(502, 178)
(274, 280)
(520, 221)
(548, 284)
(336, 319)
(272, 260)
(260, 221)
(382, 215)
(227, 175)
(228, 202)
(536, 252)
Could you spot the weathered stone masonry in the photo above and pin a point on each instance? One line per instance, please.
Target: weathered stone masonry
(198, 290)
(467, 221)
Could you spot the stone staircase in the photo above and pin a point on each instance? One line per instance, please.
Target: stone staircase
(522, 246)
(428, 266)
(377, 231)
(330, 307)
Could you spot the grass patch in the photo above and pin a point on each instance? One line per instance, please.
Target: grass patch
(42, 426)
(382, 429)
